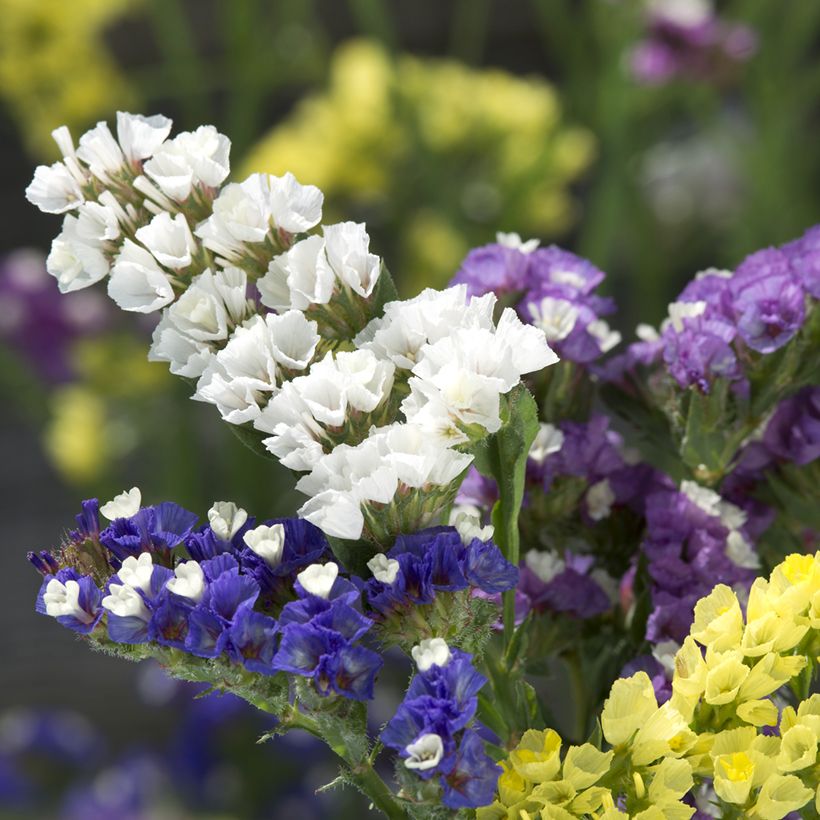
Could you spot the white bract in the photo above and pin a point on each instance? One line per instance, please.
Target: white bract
(137, 282)
(468, 526)
(247, 212)
(513, 240)
(600, 499)
(125, 602)
(192, 158)
(189, 581)
(136, 572)
(140, 136)
(384, 569)
(731, 516)
(545, 565)
(204, 315)
(604, 335)
(548, 440)
(100, 152)
(62, 600)
(556, 317)
(431, 652)
(318, 579)
(242, 376)
(123, 505)
(740, 551)
(396, 458)
(425, 753)
(77, 258)
(169, 239)
(226, 519)
(268, 542)
(54, 189)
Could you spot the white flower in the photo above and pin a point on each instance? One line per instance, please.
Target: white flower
(73, 261)
(384, 569)
(664, 653)
(556, 317)
(406, 326)
(570, 278)
(393, 457)
(100, 152)
(544, 565)
(140, 136)
(607, 583)
(63, 600)
(189, 581)
(740, 551)
(431, 652)
(684, 13)
(678, 311)
(425, 753)
(137, 283)
(226, 519)
(293, 339)
(731, 516)
(513, 240)
(200, 157)
(54, 189)
(318, 579)
(294, 207)
(468, 526)
(599, 500)
(169, 239)
(604, 335)
(136, 572)
(548, 440)
(347, 254)
(268, 542)
(294, 279)
(125, 602)
(123, 505)
(647, 333)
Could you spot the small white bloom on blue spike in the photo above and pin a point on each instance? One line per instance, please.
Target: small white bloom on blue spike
(267, 542)
(556, 317)
(125, 602)
(740, 551)
(431, 652)
(136, 572)
(544, 565)
(189, 581)
(600, 499)
(384, 569)
(678, 311)
(647, 333)
(318, 579)
(425, 753)
(63, 600)
(604, 335)
(514, 241)
(123, 505)
(226, 519)
(548, 440)
(664, 653)
(468, 526)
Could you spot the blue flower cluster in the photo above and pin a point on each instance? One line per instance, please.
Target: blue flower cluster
(219, 601)
(437, 560)
(433, 730)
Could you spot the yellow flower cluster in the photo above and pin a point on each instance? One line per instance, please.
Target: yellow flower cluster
(54, 67)
(433, 149)
(727, 673)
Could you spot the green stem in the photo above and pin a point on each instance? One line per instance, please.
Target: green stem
(579, 695)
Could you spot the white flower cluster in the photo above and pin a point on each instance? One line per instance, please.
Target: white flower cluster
(371, 408)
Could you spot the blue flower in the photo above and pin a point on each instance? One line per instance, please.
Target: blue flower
(252, 639)
(151, 529)
(88, 521)
(473, 780)
(74, 600)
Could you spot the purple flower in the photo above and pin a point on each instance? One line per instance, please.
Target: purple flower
(251, 639)
(701, 352)
(473, 780)
(151, 529)
(768, 303)
(804, 257)
(793, 432)
(494, 267)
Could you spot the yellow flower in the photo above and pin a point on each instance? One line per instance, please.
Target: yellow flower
(758, 712)
(585, 765)
(718, 621)
(630, 703)
(771, 633)
(725, 677)
(780, 795)
(733, 777)
(793, 584)
(536, 757)
(798, 749)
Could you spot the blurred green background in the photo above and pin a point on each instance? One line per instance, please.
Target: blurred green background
(438, 122)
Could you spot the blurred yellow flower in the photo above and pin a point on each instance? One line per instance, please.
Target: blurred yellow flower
(432, 153)
(54, 67)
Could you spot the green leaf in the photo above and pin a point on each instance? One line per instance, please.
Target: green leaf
(704, 439)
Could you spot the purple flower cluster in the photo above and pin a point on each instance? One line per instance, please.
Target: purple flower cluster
(694, 540)
(555, 292)
(434, 561)
(40, 323)
(432, 731)
(220, 603)
(722, 318)
(688, 41)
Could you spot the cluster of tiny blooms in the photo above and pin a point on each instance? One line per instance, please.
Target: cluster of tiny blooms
(738, 738)
(283, 322)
